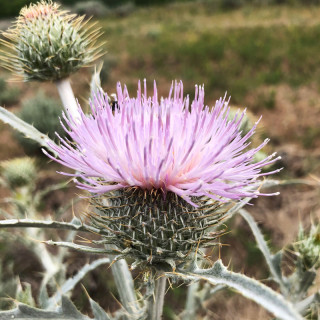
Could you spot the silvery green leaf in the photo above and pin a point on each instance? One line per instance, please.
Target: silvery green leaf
(28, 130)
(300, 281)
(125, 286)
(98, 312)
(273, 262)
(250, 288)
(43, 297)
(30, 223)
(72, 282)
(67, 311)
(304, 305)
(79, 247)
(276, 260)
(307, 280)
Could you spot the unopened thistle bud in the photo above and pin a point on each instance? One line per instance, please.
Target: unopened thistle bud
(308, 247)
(48, 44)
(162, 171)
(18, 172)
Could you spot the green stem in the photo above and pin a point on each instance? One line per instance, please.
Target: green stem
(192, 304)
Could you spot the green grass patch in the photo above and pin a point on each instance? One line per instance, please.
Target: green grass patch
(166, 43)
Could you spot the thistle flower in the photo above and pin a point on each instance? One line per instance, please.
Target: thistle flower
(46, 43)
(160, 169)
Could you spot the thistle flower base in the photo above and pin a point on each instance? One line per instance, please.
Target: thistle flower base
(154, 229)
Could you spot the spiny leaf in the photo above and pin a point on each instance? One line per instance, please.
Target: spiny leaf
(67, 311)
(273, 262)
(25, 128)
(72, 282)
(98, 312)
(250, 288)
(29, 223)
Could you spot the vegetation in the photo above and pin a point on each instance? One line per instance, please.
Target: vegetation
(237, 52)
(10, 8)
(8, 95)
(252, 53)
(44, 114)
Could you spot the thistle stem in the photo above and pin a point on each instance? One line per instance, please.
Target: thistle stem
(125, 286)
(156, 301)
(192, 301)
(67, 97)
(124, 283)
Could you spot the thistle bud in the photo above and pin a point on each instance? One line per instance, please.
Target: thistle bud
(48, 44)
(19, 172)
(308, 247)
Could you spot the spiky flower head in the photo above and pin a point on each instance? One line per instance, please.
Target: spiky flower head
(161, 169)
(48, 44)
(308, 247)
(19, 172)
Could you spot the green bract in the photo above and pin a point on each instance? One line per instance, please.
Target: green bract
(48, 44)
(155, 230)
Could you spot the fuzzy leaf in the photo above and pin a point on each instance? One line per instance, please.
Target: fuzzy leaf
(98, 312)
(25, 128)
(276, 260)
(273, 262)
(43, 297)
(72, 282)
(29, 223)
(125, 286)
(304, 305)
(66, 311)
(79, 247)
(250, 288)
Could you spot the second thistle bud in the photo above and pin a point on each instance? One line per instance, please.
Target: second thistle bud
(19, 172)
(308, 247)
(47, 43)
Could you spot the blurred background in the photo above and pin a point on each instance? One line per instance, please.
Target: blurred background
(264, 53)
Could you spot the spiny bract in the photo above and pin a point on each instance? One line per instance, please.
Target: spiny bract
(161, 169)
(46, 43)
(156, 230)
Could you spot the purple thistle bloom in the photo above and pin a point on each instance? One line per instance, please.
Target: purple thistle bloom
(166, 144)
